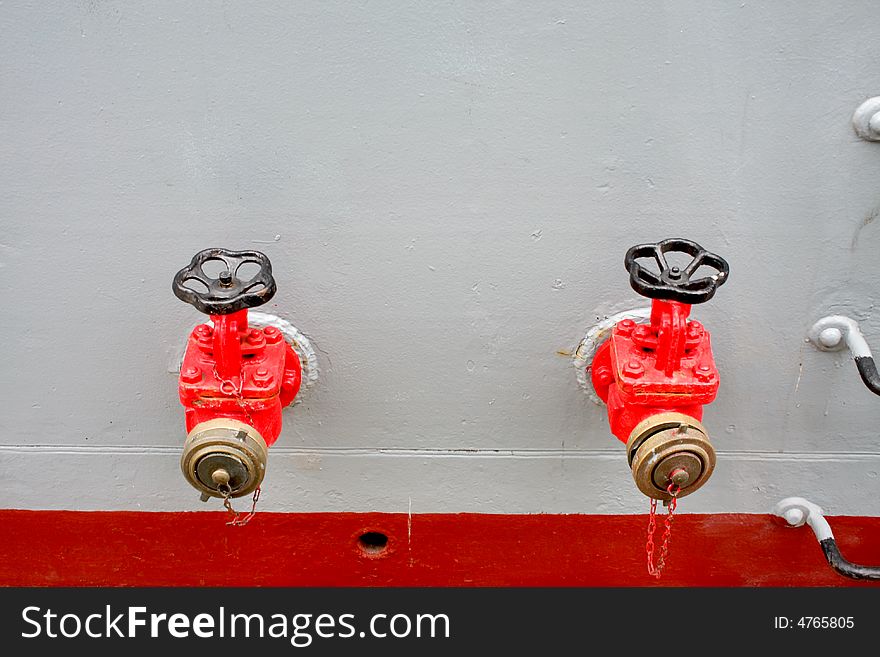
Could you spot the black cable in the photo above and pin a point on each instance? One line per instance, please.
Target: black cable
(868, 372)
(844, 567)
(870, 376)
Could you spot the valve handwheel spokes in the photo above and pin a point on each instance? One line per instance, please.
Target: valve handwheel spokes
(226, 293)
(673, 283)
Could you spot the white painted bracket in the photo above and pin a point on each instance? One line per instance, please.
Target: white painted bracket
(582, 360)
(866, 119)
(796, 512)
(836, 332)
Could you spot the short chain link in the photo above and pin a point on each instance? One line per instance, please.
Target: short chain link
(237, 519)
(657, 569)
(235, 391)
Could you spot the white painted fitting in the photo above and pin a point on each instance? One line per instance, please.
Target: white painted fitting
(835, 332)
(866, 119)
(582, 360)
(830, 337)
(796, 511)
(794, 516)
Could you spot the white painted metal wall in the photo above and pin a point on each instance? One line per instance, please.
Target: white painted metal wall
(446, 191)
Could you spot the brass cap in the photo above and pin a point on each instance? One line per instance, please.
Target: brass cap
(666, 448)
(224, 454)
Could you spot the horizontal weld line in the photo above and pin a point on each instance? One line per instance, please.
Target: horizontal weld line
(435, 452)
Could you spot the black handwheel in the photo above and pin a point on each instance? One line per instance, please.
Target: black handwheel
(227, 293)
(674, 283)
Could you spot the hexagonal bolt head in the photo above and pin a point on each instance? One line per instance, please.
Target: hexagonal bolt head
(191, 375)
(703, 373)
(625, 327)
(695, 329)
(603, 375)
(262, 377)
(634, 369)
(273, 335)
(204, 333)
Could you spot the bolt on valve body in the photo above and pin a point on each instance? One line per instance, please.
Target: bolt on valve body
(234, 380)
(656, 377)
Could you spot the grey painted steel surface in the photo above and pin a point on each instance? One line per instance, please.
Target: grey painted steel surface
(446, 193)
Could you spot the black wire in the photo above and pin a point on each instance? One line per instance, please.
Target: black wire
(844, 567)
(868, 372)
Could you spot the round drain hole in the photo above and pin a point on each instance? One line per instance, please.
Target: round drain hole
(373, 543)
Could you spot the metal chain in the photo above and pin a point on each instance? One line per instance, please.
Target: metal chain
(235, 392)
(237, 519)
(653, 569)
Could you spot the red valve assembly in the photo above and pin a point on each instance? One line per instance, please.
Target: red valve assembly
(234, 380)
(656, 377)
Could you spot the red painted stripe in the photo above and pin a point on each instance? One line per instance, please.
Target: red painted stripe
(66, 548)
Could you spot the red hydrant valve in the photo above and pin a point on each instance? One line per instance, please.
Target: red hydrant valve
(656, 377)
(234, 380)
